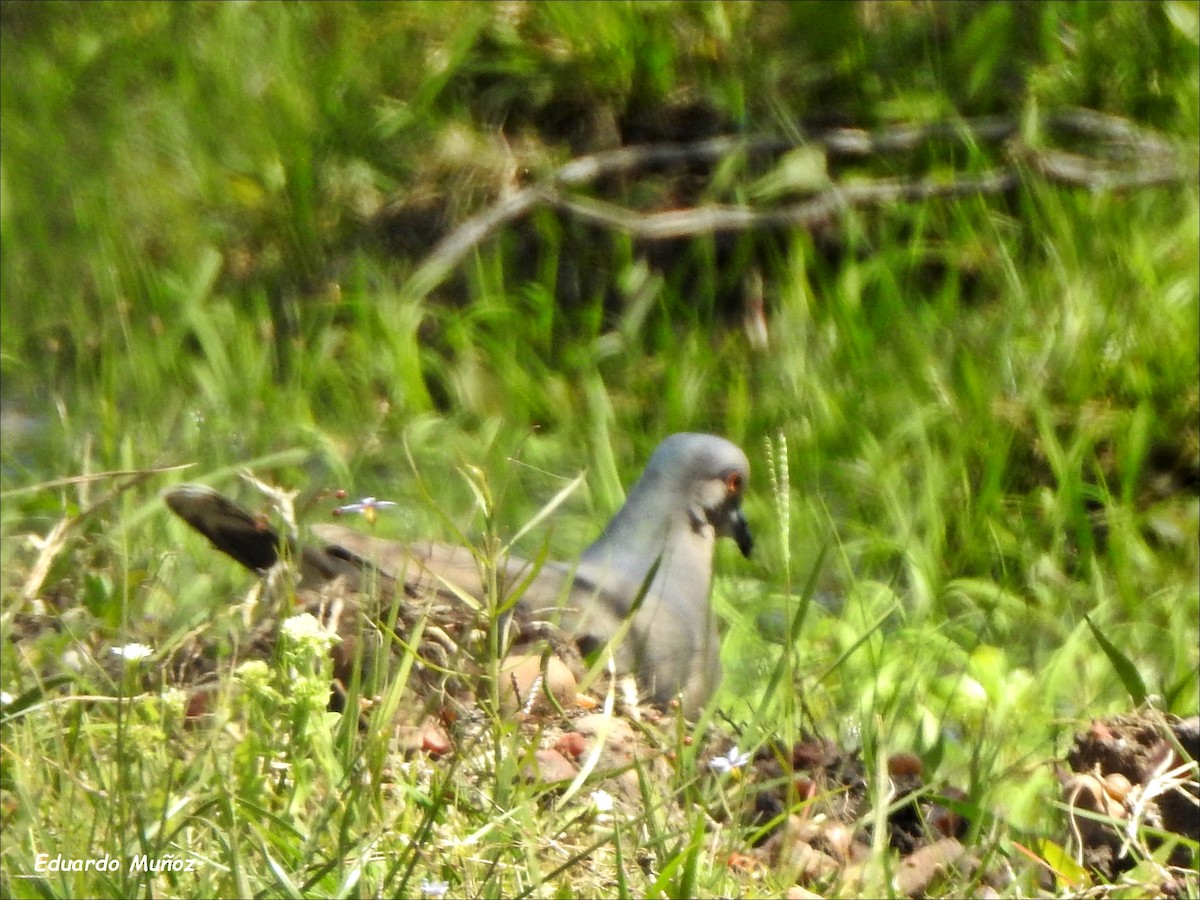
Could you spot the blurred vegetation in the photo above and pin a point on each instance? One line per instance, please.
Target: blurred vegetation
(210, 212)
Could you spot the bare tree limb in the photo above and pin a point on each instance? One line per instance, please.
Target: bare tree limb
(1082, 171)
(823, 206)
(1092, 124)
(1155, 163)
(453, 249)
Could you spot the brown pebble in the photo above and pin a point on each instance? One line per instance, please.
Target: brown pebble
(522, 686)
(1117, 786)
(743, 862)
(919, 869)
(793, 850)
(551, 766)
(571, 745)
(434, 739)
(904, 764)
(839, 838)
(1086, 791)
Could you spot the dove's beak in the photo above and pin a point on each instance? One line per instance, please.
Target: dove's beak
(739, 530)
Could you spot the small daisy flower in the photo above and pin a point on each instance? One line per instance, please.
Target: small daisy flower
(6, 698)
(434, 889)
(132, 653)
(601, 806)
(603, 801)
(730, 762)
(304, 629)
(369, 507)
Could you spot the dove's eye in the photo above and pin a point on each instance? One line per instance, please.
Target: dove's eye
(733, 482)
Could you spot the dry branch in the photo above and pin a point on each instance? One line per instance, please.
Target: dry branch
(1155, 162)
(822, 207)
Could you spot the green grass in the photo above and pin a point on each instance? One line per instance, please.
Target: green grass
(989, 409)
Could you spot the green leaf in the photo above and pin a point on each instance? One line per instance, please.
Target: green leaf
(1122, 664)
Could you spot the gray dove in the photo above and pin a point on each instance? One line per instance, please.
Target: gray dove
(642, 586)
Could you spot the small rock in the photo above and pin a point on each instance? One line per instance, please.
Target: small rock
(796, 892)
(918, 870)
(549, 766)
(571, 745)
(792, 850)
(428, 737)
(524, 688)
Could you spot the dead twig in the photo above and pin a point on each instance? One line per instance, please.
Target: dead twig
(822, 207)
(1100, 126)
(1155, 162)
(1081, 171)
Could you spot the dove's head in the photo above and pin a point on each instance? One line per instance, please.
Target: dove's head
(654, 562)
(710, 474)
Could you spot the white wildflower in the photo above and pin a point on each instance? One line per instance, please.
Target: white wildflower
(434, 889)
(603, 801)
(305, 629)
(132, 652)
(730, 762)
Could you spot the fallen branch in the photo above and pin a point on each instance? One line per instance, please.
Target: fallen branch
(824, 206)
(1081, 171)
(1155, 163)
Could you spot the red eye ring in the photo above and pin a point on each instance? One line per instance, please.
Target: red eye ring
(733, 482)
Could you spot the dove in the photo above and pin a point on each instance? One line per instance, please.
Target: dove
(641, 589)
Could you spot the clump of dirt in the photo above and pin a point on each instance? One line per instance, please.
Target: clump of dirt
(818, 812)
(1130, 771)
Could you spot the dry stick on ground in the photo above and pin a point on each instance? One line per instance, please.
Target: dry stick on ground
(712, 218)
(1092, 124)
(1140, 145)
(1083, 171)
